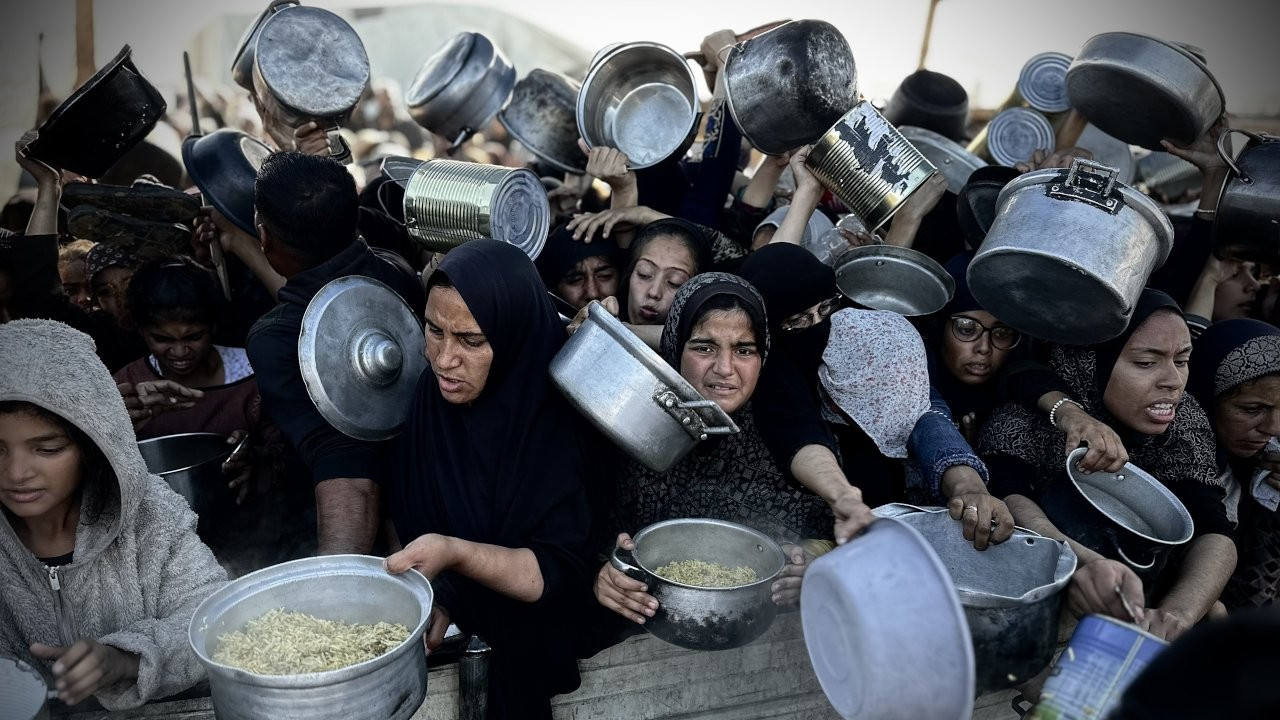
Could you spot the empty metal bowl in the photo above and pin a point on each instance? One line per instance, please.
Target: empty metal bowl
(892, 278)
(640, 98)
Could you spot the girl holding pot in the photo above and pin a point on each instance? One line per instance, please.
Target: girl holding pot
(1236, 375)
(1135, 384)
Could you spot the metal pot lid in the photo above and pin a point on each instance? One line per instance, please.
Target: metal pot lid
(361, 353)
(1109, 151)
(950, 157)
(440, 69)
(312, 61)
(1133, 500)
(1043, 82)
(895, 279)
(1014, 134)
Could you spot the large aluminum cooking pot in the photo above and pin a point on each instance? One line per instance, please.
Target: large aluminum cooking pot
(542, 115)
(704, 618)
(23, 694)
(640, 98)
(1128, 515)
(633, 396)
(242, 61)
(310, 65)
(1142, 89)
(1011, 592)
(1068, 253)
(192, 465)
(347, 588)
(461, 87)
(1248, 221)
(785, 87)
(932, 101)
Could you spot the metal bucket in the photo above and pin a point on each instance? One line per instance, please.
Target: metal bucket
(347, 588)
(192, 465)
(448, 202)
(1012, 136)
(1089, 677)
(23, 694)
(868, 164)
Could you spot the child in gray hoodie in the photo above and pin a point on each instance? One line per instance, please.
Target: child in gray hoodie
(99, 560)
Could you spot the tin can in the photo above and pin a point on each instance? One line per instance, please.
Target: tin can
(1088, 679)
(868, 164)
(1012, 136)
(448, 202)
(1043, 82)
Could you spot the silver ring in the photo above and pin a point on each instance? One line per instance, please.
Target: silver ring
(971, 507)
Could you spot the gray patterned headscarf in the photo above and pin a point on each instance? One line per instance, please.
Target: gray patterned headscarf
(686, 311)
(1231, 353)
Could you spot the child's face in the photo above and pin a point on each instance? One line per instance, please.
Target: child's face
(39, 466)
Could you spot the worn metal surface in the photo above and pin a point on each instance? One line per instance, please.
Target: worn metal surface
(896, 279)
(932, 101)
(701, 618)
(640, 98)
(1109, 151)
(787, 86)
(1248, 222)
(542, 115)
(950, 157)
(449, 202)
(1068, 254)
(242, 62)
(349, 588)
(192, 465)
(461, 87)
(312, 63)
(22, 691)
(360, 353)
(1142, 89)
(633, 396)
(1013, 135)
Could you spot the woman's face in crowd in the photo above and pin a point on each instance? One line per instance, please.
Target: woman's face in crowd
(1248, 417)
(75, 283)
(109, 288)
(39, 465)
(182, 348)
(457, 350)
(976, 361)
(1235, 296)
(593, 278)
(1148, 379)
(721, 358)
(663, 266)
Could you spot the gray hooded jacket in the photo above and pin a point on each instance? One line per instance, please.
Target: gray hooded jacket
(138, 571)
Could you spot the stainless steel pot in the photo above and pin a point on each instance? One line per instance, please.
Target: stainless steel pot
(932, 101)
(1068, 253)
(633, 396)
(1142, 89)
(896, 279)
(349, 588)
(1011, 592)
(310, 65)
(461, 87)
(542, 115)
(702, 618)
(640, 98)
(192, 465)
(785, 87)
(1248, 222)
(23, 694)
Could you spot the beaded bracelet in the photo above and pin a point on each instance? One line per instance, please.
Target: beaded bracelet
(1053, 412)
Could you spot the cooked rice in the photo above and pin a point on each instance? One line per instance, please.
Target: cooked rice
(705, 574)
(291, 643)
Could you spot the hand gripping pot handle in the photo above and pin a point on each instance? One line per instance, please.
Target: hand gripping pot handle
(1224, 150)
(338, 148)
(685, 412)
(623, 561)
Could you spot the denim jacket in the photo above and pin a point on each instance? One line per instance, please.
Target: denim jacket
(936, 445)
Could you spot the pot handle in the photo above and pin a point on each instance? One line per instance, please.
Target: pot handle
(338, 148)
(685, 412)
(1224, 151)
(625, 562)
(239, 446)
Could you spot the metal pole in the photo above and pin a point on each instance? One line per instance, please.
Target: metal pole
(928, 32)
(84, 41)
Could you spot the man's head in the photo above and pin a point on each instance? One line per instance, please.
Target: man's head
(305, 209)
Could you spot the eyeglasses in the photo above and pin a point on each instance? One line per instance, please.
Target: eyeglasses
(809, 318)
(966, 329)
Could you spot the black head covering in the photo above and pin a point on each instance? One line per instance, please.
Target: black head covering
(789, 278)
(687, 310)
(561, 253)
(963, 300)
(961, 397)
(1149, 303)
(1230, 353)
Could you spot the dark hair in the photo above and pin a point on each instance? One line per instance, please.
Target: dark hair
(728, 303)
(694, 241)
(308, 204)
(95, 470)
(173, 290)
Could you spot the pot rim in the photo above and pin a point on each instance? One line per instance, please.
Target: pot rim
(156, 440)
(911, 255)
(769, 543)
(191, 163)
(1133, 470)
(1222, 98)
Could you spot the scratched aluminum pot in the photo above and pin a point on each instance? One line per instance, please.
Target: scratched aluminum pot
(867, 163)
(1012, 592)
(242, 62)
(1068, 253)
(632, 395)
(347, 588)
(449, 202)
(461, 87)
(1109, 151)
(705, 618)
(542, 115)
(785, 87)
(932, 101)
(1248, 222)
(23, 693)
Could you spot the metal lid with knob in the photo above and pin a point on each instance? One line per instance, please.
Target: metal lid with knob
(361, 353)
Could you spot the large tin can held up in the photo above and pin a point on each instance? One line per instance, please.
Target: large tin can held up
(449, 202)
(868, 164)
(1012, 136)
(1089, 677)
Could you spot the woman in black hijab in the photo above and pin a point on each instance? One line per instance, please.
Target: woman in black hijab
(490, 477)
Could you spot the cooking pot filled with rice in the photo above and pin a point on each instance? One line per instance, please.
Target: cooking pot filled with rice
(324, 637)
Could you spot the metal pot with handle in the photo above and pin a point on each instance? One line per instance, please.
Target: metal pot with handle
(461, 87)
(310, 65)
(192, 465)
(1247, 226)
(1068, 253)
(705, 618)
(242, 63)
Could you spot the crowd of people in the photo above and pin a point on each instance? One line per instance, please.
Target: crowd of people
(496, 488)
